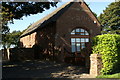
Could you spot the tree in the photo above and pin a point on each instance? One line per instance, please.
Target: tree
(16, 10)
(11, 39)
(95, 14)
(15, 38)
(110, 19)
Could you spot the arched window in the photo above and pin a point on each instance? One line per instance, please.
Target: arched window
(79, 37)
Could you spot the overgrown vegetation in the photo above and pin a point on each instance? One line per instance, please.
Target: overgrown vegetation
(117, 75)
(108, 45)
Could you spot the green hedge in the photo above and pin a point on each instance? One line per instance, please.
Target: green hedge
(108, 45)
(117, 75)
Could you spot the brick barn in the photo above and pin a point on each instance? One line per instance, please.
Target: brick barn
(65, 34)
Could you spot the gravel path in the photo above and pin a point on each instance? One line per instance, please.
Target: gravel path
(43, 69)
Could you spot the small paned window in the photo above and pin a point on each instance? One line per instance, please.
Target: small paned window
(79, 32)
(78, 39)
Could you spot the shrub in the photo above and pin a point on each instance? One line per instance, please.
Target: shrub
(108, 45)
(117, 75)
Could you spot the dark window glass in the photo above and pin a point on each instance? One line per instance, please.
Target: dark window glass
(73, 48)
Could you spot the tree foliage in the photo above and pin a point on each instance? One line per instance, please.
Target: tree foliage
(95, 14)
(16, 10)
(11, 39)
(110, 19)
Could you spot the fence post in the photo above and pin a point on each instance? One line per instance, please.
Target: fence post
(95, 64)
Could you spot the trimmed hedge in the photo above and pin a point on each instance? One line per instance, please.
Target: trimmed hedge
(108, 45)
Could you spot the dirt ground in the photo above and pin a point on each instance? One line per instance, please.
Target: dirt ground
(43, 69)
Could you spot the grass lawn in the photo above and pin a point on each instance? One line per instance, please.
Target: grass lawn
(117, 75)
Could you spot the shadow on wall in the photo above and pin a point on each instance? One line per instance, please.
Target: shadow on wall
(38, 50)
(18, 54)
(45, 42)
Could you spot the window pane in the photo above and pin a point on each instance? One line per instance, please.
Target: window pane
(77, 33)
(73, 43)
(82, 46)
(72, 39)
(82, 39)
(77, 30)
(73, 48)
(82, 33)
(82, 30)
(87, 39)
(86, 33)
(72, 33)
(78, 46)
(77, 39)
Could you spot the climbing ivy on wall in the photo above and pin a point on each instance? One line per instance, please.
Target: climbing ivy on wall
(108, 45)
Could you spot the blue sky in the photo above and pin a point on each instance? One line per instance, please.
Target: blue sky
(96, 7)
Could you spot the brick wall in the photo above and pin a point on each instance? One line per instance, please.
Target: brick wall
(76, 16)
(55, 36)
(45, 38)
(28, 41)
